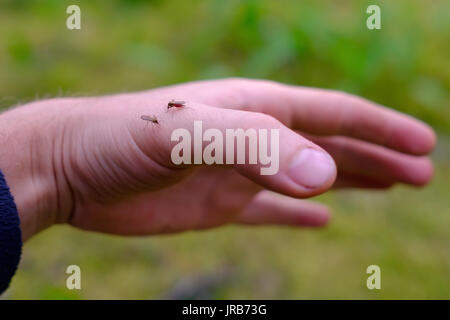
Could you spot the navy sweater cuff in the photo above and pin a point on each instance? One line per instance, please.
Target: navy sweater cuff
(10, 236)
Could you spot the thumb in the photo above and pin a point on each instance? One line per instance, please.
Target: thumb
(256, 145)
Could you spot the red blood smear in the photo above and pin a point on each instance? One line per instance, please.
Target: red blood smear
(177, 105)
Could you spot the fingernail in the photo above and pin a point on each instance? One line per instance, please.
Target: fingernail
(312, 168)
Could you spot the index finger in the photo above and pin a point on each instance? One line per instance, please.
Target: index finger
(323, 112)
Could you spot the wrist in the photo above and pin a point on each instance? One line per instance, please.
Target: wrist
(27, 162)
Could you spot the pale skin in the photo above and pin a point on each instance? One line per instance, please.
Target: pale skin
(95, 164)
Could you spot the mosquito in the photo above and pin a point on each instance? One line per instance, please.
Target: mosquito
(176, 104)
(151, 119)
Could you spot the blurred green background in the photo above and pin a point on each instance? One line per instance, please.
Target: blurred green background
(129, 45)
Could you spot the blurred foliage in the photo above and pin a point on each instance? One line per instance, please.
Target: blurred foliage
(129, 45)
(132, 45)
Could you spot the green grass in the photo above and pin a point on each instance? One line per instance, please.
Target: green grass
(134, 45)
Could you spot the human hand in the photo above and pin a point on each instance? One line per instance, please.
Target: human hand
(94, 163)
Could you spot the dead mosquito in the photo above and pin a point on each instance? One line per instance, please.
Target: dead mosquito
(151, 119)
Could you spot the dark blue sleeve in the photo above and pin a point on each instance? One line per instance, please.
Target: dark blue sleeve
(10, 235)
